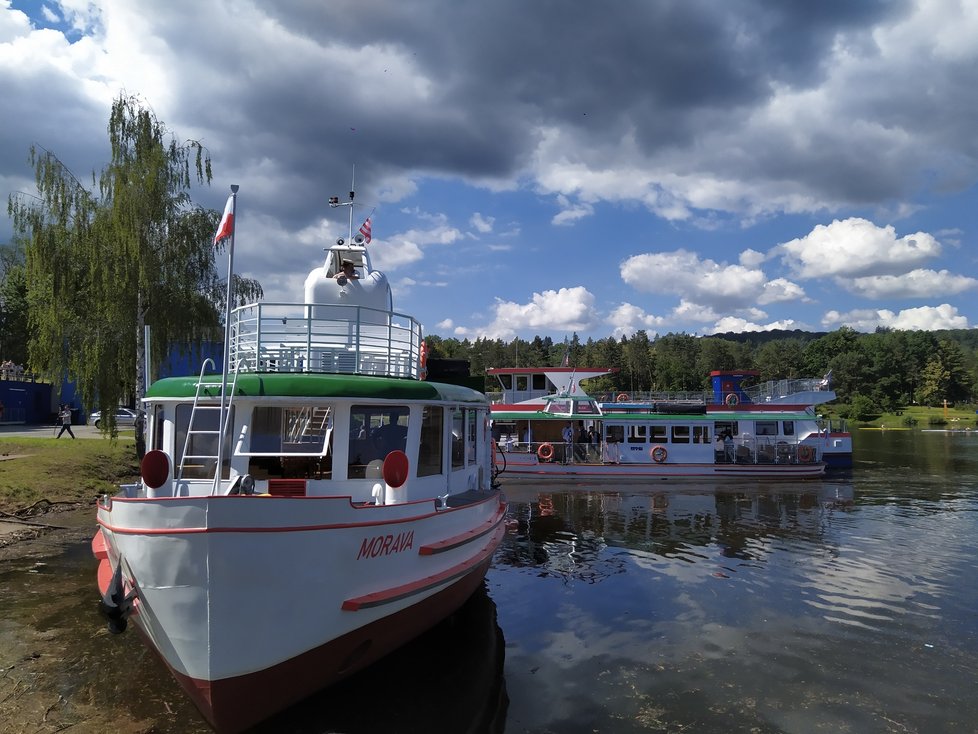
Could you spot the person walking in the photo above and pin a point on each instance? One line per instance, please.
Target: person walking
(65, 416)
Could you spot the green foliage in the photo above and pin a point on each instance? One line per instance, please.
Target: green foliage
(132, 251)
(13, 303)
(887, 370)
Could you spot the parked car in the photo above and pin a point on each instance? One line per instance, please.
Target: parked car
(123, 417)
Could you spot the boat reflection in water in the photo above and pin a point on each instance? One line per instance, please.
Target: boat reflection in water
(448, 681)
(565, 532)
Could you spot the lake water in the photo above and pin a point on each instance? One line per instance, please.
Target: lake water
(843, 605)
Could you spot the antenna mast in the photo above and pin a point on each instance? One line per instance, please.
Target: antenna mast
(334, 201)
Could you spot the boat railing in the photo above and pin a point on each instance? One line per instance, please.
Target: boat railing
(777, 389)
(693, 397)
(324, 338)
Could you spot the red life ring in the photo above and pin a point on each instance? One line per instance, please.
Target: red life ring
(806, 454)
(659, 454)
(732, 399)
(545, 452)
(622, 397)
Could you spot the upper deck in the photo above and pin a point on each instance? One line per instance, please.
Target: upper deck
(324, 338)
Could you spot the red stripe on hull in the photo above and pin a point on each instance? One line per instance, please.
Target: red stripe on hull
(469, 536)
(234, 704)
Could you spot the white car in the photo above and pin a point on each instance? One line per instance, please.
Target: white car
(123, 417)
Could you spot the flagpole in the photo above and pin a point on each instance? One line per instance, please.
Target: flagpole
(227, 341)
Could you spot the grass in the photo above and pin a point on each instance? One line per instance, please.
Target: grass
(913, 416)
(62, 471)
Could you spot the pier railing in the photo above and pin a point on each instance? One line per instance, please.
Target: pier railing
(324, 338)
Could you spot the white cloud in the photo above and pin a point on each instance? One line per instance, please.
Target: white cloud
(738, 325)
(925, 318)
(779, 290)
(704, 281)
(570, 213)
(627, 319)
(915, 284)
(481, 223)
(566, 309)
(752, 258)
(853, 247)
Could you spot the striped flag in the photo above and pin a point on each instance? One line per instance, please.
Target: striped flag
(226, 228)
(366, 231)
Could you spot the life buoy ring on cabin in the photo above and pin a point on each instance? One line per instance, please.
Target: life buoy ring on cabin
(545, 452)
(732, 399)
(806, 454)
(659, 454)
(622, 397)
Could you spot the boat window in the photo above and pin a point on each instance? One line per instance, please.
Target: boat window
(157, 427)
(766, 428)
(680, 434)
(279, 430)
(614, 434)
(587, 407)
(540, 382)
(637, 434)
(471, 433)
(701, 434)
(375, 431)
(201, 445)
(659, 434)
(521, 382)
(722, 427)
(506, 381)
(430, 453)
(458, 439)
(789, 428)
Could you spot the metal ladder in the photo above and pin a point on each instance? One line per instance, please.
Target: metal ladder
(199, 409)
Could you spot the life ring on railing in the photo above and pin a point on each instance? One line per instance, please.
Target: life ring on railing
(659, 454)
(732, 399)
(806, 454)
(622, 397)
(545, 452)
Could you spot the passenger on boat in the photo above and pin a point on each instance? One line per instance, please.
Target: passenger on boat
(348, 272)
(390, 436)
(568, 435)
(728, 446)
(718, 448)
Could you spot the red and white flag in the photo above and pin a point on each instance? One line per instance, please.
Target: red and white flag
(226, 228)
(365, 231)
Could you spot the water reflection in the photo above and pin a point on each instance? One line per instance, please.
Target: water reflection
(565, 532)
(844, 604)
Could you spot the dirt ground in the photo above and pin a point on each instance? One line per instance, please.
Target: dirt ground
(60, 670)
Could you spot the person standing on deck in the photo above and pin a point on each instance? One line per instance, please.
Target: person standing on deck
(568, 434)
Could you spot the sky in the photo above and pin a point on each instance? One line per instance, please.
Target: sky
(547, 167)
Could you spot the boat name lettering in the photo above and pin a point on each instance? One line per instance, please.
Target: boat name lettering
(384, 545)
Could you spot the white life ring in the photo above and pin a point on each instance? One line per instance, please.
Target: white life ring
(622, 397)
(659, 454)
(545, 452)
(732, 399)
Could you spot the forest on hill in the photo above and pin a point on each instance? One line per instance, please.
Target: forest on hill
(883, 370)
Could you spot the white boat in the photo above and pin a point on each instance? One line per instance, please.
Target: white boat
(305, 512)
(645, 437)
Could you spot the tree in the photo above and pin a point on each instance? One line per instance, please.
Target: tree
(13, 304)
(134, 250)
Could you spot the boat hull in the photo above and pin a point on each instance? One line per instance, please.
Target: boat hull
(256, 602)
(526, 466)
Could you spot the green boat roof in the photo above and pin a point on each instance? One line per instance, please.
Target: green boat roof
(318, 386)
